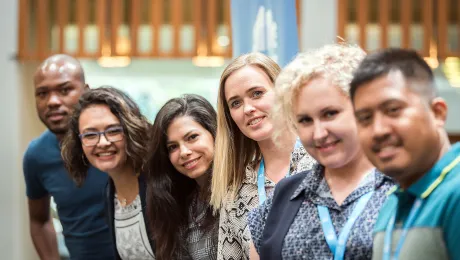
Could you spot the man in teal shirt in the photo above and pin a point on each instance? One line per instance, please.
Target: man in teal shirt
(401, 126)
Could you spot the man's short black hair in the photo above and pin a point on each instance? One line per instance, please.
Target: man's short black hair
(408, 62)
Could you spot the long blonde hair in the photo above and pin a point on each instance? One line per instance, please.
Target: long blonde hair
(233, 150)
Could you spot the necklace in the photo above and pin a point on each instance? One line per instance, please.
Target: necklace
(122, 202)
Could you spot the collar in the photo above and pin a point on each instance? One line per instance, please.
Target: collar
(299, 157)
(314, 178)
(431, 180)
(311, 181)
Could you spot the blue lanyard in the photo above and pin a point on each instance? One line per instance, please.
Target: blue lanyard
(261, 177)
(338, 247)
(261, 183)
(390, 227)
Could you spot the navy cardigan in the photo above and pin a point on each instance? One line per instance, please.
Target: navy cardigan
(109, 206)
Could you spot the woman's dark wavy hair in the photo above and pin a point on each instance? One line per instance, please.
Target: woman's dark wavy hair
(135, 130)
(170, 194)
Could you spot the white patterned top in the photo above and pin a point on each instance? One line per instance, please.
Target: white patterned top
(130, 232)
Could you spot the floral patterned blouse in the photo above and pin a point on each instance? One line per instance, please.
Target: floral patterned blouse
(132, 240)
(234, 237)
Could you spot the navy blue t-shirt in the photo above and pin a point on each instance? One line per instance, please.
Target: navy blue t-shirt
(81, 210)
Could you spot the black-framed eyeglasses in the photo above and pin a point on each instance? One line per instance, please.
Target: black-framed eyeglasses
(112, 134)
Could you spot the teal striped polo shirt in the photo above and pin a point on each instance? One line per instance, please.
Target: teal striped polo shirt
(435, 231)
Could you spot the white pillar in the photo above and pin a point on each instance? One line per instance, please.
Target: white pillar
(15, 242)
(319, 23)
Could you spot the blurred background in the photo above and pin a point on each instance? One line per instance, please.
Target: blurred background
(158, 49)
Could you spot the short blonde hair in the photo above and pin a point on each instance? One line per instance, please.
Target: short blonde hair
(233, 150)
(335, 62)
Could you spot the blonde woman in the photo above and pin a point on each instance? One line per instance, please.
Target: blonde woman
(247, 163)
(328, 212)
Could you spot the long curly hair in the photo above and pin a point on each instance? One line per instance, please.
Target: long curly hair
(135, 130)
(171, 196)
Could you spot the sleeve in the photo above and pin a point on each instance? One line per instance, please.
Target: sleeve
(256, 222)
(221, 234)
(451, 226)
(34, 185)
(230, 243)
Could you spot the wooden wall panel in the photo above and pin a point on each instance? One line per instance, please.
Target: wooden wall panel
(62, 21)
(442, 28)
(82, 21)
(23, 35)
(197, 22)
(42, 29)
(176, 14)
(228, 24)
(134, 26)
(101, 21)
(211, 30)
(363, 11)
(427, 18)
(205, 20)
(342, 17)
(384, 19)
(157, 18)
(406, 19)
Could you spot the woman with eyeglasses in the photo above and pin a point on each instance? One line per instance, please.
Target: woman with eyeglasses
(108, 131)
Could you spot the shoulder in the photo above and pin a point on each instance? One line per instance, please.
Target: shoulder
(289, 188)
(449, 192)
(250, 174)
(241, 201)
(385, 213)
(38, 145)
(109, 193)
(383, 182)
(446, 195)
(45, 139)
(257, 219)
(109, 189)
(301, 160)
(291, 181)
(34, 152)
(234, 212)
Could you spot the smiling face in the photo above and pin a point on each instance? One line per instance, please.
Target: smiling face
(398, 128)
(106, 156)
(190, 147)
(325, 123)
(249, 96)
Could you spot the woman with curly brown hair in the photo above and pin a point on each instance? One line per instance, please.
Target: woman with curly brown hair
(108, 131)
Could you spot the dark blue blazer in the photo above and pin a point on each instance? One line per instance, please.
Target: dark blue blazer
(109, 205)
(281, 216)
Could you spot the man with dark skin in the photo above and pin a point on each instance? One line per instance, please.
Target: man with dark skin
(59, 82)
